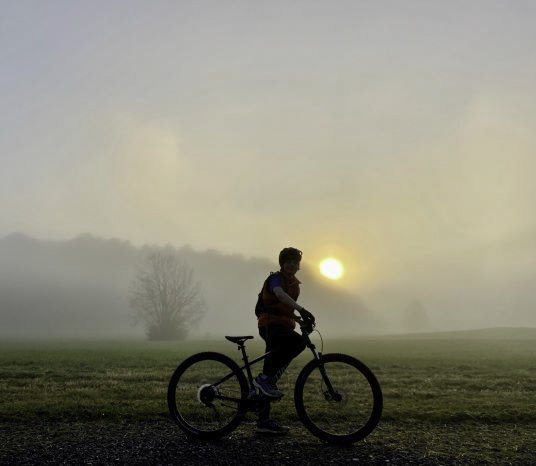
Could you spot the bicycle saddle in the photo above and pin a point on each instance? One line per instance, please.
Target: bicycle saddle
(239, 340)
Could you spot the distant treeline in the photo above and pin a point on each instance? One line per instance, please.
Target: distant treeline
(79, 288)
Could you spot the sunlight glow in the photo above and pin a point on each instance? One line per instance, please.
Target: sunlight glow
(331, 268)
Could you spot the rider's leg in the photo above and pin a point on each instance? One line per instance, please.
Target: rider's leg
(292, 345)
(266, 382)
(285, 345)
(264, 413)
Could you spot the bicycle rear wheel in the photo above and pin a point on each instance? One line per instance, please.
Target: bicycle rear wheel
(356, 408)
(200, 403)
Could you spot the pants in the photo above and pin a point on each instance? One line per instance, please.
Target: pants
(284, 345)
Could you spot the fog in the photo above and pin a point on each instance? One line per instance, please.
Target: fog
(79, 289)
(397, 137)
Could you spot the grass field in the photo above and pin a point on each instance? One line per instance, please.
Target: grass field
(468, 396)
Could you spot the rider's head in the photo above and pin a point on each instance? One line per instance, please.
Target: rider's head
(289, 260)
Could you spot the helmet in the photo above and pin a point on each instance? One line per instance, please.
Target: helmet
(289, 254)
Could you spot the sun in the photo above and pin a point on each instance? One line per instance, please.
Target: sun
(331, 268)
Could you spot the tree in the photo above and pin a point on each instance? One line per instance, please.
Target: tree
(164, 296)
(416, 316)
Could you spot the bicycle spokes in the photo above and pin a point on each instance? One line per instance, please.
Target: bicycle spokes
(202, 405)
(337, 398)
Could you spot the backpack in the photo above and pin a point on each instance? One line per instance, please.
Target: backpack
(260, 308)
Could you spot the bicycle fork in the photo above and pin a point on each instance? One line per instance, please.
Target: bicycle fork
(330, 393)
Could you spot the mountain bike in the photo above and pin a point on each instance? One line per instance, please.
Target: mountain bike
(337, 397)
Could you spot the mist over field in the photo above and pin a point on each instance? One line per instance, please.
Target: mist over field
(395, 137)
(79, 289)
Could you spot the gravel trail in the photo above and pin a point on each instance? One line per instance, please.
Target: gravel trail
(161, 442)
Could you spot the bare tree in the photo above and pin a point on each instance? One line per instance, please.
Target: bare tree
(165, 297)
(416, 316)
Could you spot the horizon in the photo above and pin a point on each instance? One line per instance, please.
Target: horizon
(469, 333)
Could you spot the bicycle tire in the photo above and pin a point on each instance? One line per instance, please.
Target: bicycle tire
(175, 382)
(309, 422)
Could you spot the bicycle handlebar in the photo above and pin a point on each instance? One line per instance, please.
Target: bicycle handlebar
(307, 326)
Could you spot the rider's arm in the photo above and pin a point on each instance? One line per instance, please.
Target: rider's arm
(286, 299)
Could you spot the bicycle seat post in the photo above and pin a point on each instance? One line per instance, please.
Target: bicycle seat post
(242, 347)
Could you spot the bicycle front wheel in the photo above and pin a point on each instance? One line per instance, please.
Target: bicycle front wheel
(348, 412)
(207, 395)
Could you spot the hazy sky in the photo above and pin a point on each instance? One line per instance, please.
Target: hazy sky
(391, 134)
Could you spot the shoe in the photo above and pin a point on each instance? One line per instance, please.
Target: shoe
(267, 386)
(271, 427)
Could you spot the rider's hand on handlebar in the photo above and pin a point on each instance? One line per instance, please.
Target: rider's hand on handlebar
(306, 315)
(306, 321)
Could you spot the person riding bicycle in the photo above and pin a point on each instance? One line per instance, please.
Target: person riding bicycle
(276, 322)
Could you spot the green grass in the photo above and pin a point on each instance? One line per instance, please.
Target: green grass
(448, 395)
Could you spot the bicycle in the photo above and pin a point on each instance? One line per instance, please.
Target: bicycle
(337, 397)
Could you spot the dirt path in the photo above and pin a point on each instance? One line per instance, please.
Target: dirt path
(161, 442)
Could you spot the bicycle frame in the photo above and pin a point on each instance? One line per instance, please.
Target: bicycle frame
(247, 366)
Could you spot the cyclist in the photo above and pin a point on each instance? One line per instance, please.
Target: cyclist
(276, 322)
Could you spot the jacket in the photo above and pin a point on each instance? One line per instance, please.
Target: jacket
(274, 311)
